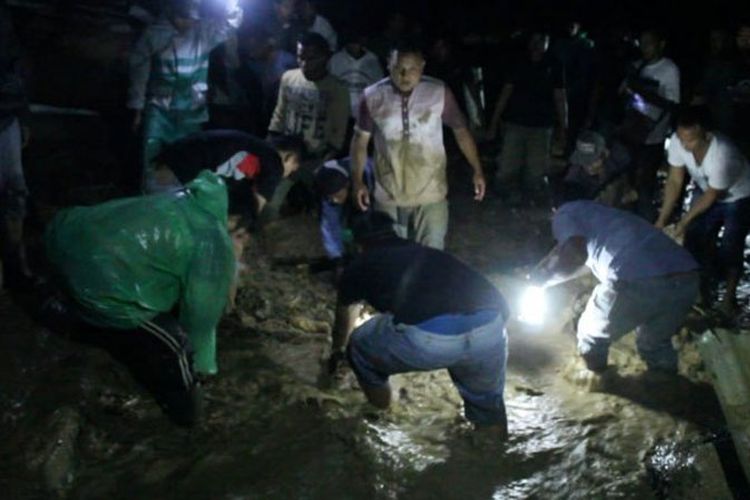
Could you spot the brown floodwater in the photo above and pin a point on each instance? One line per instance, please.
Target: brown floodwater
(76, 425)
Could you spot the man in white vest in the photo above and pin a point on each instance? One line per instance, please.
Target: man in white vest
(405, 113)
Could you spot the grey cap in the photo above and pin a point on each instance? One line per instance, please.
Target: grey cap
(589, 148)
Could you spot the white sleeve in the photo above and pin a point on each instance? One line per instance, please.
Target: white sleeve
(675, 152)
(728, 168)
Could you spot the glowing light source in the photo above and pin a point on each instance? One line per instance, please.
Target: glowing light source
(533, 306)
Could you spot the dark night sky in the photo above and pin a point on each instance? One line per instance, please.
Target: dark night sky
(509, 12)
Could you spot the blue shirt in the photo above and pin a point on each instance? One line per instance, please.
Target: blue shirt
(333, 215)
(620, 245)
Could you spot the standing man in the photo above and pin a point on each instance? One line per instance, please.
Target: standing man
(653, 90)
(531, 105)
(406, 113)
(312, 103)
(647, 282)
(740, 89)
(434, 312)
(169, 73)
(356, 66)
(722, 175)
(13, 191)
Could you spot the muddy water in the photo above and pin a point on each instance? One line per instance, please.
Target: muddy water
(75, 424)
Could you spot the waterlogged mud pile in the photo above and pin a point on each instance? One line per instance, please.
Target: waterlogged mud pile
(79, 426)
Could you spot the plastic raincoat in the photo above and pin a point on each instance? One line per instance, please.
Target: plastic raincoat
(125, 261)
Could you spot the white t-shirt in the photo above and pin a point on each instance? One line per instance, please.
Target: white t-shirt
(357, 74)
(667, 74)
(724, 167)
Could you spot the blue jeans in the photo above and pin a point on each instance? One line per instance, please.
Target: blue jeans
(475, 359)
(700, 237)
(654, 307)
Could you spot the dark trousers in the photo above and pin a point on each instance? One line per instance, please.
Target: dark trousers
(701, 235)
(647, 159)
(157, 352)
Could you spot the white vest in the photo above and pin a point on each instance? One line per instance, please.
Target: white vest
(410, 160)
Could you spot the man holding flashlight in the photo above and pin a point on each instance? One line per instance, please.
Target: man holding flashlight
(647, 282)
(434, 312)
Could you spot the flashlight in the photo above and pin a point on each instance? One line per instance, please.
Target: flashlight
(533, 307)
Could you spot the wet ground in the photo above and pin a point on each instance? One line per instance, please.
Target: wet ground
(76, 425)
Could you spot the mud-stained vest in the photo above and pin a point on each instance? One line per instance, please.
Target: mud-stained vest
(410, 160)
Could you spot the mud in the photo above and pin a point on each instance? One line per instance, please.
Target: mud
(76, 425)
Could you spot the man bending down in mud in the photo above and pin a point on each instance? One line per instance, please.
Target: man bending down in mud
(435, 312)
(647, 282)
(123, 268)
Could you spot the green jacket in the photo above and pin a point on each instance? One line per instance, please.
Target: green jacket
(128, 260)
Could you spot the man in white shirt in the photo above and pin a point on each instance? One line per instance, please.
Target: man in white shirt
(653, 88)
(722, 176)
(357, 67)
(312, 103)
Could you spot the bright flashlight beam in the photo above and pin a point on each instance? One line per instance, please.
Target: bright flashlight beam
(533, 307)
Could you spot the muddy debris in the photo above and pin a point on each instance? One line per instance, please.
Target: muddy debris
(275, 428)
(53, 453)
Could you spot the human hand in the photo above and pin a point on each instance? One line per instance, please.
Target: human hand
(494, 130)
(679, 229)
(480, 186)
(361, 196)
(336, 362)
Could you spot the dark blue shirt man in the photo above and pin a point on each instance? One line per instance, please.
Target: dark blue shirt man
(434, 312)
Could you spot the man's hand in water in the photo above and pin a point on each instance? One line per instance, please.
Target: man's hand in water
(336, 364)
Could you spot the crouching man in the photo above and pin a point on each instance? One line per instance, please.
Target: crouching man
(334, 186)
(250, 166)
(121, 268)
(647, 282)
(434, 312)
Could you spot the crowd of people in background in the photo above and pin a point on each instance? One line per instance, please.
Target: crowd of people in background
(281, 105)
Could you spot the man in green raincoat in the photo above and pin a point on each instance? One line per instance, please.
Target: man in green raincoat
(154, 272)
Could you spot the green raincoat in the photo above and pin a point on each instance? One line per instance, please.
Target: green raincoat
(126, 261)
